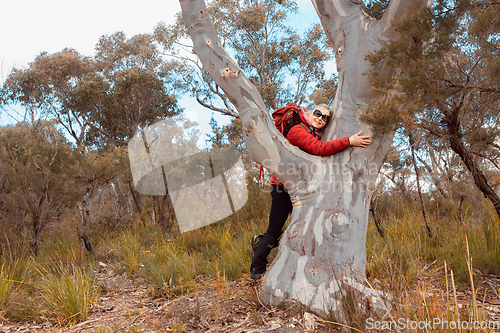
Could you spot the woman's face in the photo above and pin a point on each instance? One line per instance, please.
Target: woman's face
(319, 121)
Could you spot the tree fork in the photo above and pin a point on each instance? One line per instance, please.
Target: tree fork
(323, 251)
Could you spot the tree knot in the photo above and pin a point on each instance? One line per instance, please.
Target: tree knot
(227, 73)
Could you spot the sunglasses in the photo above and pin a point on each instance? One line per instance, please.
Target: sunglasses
(317, 113)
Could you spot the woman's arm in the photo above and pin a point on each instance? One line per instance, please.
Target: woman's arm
(298, 136)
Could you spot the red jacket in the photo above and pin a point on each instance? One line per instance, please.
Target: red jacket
(299, 136)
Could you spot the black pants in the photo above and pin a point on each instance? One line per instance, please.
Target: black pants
(281, 207)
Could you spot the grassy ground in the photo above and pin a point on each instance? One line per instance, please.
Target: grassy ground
(422, 275)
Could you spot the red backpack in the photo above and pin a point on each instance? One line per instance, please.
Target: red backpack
(285, 117)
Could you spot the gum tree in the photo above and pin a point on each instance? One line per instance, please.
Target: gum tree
(324, 248)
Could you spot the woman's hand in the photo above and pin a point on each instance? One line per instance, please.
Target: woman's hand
(359, 141)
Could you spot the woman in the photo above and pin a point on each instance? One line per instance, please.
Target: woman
(306, 136)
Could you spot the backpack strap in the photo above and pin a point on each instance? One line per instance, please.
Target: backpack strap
(311, 130)
(292, 119)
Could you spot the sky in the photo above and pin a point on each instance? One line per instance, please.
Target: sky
(29, 27)
(32, 26)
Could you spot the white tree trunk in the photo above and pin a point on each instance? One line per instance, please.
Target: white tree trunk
(325, 246)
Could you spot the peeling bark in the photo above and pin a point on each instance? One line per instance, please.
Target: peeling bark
(324, 248)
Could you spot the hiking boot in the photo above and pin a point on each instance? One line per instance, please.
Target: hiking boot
(255, 243)
(256, 276)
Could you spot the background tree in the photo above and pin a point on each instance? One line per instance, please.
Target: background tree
(181, 142)
(448, 83)
(283, 65)
(140, 91)
(101, 102)
(230, 136)
(396, 170)
(93, 171)
(36, 176)
(44, 90)
(324, 247)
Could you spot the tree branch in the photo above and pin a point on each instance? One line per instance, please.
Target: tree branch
(481, 89)
(265, 144)
(486, 157)
(488, 3)
(335, 13)
(397, 9)
(217, 92)
(331, 11)
(214, 108)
